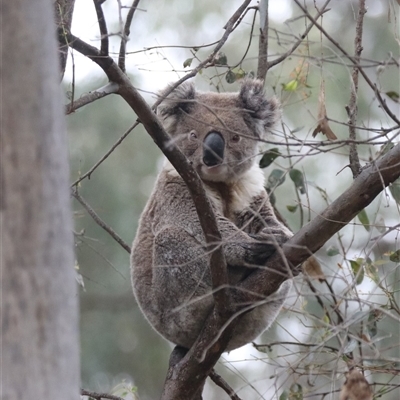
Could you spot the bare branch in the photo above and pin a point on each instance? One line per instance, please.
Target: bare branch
(99, 221)
(63, 11)
(125, 35)
(229, 27)
(91, 97)
(100, 396)
(116, 144)
(373, 86)
(102, 26)
(299, 41)
(219, 381)
(262, 67)
(352, 107)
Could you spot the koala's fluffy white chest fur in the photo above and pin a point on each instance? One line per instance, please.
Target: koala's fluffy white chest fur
(235, 196)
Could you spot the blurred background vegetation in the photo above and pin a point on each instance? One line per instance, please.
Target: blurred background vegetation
(118, 345)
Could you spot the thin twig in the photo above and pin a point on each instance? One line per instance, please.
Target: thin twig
(90, 97)
(100, 396)
(373, 86)
(125, 35)
(299, 41)
(115, 145)
(102, 26)
(219, 381)
(352, 108)
(98, 220)
(229, 27)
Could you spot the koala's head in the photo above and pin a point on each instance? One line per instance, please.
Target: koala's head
(219, 133)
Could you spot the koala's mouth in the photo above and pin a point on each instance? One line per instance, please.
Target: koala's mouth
(216, 172)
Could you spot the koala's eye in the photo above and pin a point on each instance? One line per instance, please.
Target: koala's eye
(235, 138)
(192, 135)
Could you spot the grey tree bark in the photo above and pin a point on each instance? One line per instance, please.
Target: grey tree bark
(39, 304)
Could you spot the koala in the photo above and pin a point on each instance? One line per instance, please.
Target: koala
(219, 134)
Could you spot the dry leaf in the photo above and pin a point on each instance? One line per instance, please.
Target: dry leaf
(323, 125)
(356, 387)
(312, 268)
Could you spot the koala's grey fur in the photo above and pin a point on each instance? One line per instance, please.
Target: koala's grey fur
(170, 271)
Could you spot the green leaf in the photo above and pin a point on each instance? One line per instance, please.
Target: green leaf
(296, 392)
(187, 62)
(332, 251)
(298, 178)
(239, 72)
(363, 218)
(269, 156)
(395, 256)
(284, 395)
(275, 179)
(393, 95)
(290, 86)
(372, 324)
(230, 76)
(291, 209)
(372, 272)
(358, 269)
(221, 58)
(395, 190)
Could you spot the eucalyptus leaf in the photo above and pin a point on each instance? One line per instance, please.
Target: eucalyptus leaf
(358, 269)
(291, 209)
(298, 178)
(187, 62)
(395, 190)
(275, 179)
(363, 218)
(230, 76)
(350, 346)
(332, 251)
(269, 156)
(395, 256)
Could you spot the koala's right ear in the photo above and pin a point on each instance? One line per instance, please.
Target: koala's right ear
(178, 101)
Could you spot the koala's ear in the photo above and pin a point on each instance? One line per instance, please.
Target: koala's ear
(180, 99)
(261, 113)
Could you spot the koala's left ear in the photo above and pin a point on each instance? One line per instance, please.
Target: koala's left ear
(260, 112)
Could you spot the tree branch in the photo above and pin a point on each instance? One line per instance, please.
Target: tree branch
(102, 159)
(125, 35)
(102, 26)
(99, 221)
(104, 91)
(153, 126)
(63, 11)
(100, 396)
(299, 41)
(382, 102)
(352, 108)
(219, 381)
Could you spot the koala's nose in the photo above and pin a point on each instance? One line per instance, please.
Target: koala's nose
(213, 149)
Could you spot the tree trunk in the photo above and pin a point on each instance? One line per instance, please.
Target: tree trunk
(40, 350)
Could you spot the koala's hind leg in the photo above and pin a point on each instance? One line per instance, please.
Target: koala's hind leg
(181, 285)
(253, 323)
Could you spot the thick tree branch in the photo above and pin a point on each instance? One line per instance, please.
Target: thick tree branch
(219, 381)
(352, 107)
